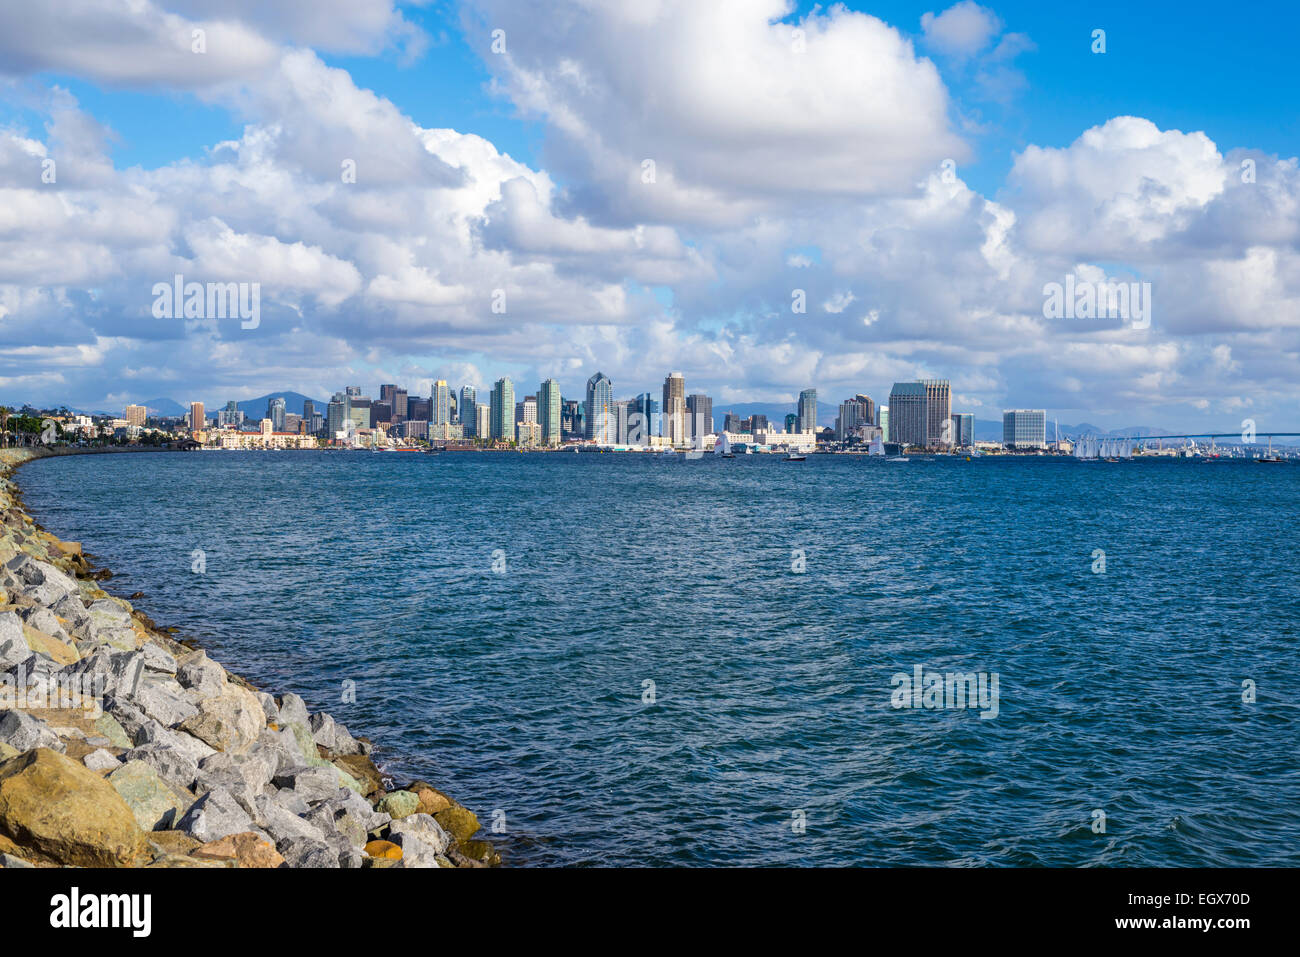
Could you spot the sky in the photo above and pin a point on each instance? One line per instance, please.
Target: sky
(465, 190)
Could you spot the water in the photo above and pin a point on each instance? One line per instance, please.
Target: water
(522, 692)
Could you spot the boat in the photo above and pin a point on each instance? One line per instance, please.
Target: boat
(795, 457)
(898, 458)
(1270, 458)
(877, 447)
(723, 447)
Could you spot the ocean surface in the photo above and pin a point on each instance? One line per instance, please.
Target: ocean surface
(501, 616)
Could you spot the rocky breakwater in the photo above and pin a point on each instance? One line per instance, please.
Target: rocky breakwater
(120, 746)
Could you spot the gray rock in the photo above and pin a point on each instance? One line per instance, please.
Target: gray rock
(280, 746)
(101, 760)
(8, 861)
(424, 828)
(311, 783)
(291, 801)
(158, 658)
(344, 743)
(45, 583)
(214, 815)
(322, 729)
(172, 764)
(13, 651)
(131, 718)
(70, 608)
(268, 706)
(11, 628)
(200, 673)
(293, 710)
(44, 620)
(152, 800)
(164, 701)
(416, 852)
(114, 673)
(20, 730)
(232, 782)
(284, 825)
(305, 852)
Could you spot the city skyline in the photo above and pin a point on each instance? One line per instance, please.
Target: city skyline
(407, 216)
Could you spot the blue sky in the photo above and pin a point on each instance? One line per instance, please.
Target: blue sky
(906, 276)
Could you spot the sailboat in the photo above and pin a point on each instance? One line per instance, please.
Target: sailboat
(877, 447)
(723, 447)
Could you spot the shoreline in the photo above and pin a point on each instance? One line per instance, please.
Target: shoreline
(124, 746)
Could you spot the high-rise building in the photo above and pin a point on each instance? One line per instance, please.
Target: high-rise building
(482, 421)
(197, 418)
(600, 409)
(883, 414)
(417, 409)
(400, 408)
(853, 416)
(526, 411)
(908, 414)
(275, 412)
(732, 423)
(440, 403)
(674, 408)
(1024, 428)
(651, 422)
(963, 432)
(623, 412)
(792, 421)
(548, 411)
(699, 409)
(938, 399)
(337, 417)
(381, 413)
(572, 423)
(503, 409)
(229, 417)
(135, 416)
(758, 422)
(469, 410)
(308, 411)
(808, 410)
(386, 392)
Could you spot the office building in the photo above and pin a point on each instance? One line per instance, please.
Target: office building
(674, 409)
(808, 410)
(699, 415)
(548, 411)
(883, 415)
(909, 414)
(336, 415)
(503, 410)
(526, 411)
(938, 399)
(468, 410)
(197, 418)
(963, 432)
(275, 412)
(600, 409)
(440, 403)
(135, 416)
(482, 421)
(1024, 428)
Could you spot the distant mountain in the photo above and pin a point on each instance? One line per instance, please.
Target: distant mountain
(991, 430)
(256, 408)
(163, 407)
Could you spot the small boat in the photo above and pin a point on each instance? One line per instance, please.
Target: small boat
(1270, 458)
(795, 457)
(723, 447)
(898, 458)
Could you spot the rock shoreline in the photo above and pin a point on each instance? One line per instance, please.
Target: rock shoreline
(123, 747)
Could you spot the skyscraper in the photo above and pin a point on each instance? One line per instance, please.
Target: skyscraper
(548, 411)
(503, 409)
(808, 410)
(963, 432)
(440, 403)
(674, 421)
(469, 410)
(135, 415)
(699, 408)
(1024, 428)
(884, 424)
(526, 411)
(337, 415)
(938, 398)
(197, 418)
(908, 414)
(792, 422)
(600, 409)
(400, 408)
(308, 412)
(275, 412)
(483, 420)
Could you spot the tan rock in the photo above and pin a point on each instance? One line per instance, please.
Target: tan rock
(174, 842)
(62, 652)
(66, 814)
(458, 821)
(247, 849)
(229, 722)
(384, 849)
(431, 801)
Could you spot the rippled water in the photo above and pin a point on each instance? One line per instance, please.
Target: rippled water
(523, 691)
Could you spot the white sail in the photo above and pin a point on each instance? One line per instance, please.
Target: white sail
(877, 447)
(723, 445)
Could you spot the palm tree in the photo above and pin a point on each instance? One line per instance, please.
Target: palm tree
(5, 412)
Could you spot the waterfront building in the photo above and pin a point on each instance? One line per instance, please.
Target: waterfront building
(600, 409)
(526, 411)
(275, 412)
(528, 435)
(883, 416)
(853, 416)
(336, 415)
(292, 423)
(674, 409)
(386, 392)
(651, 416)
(700, 418)
(135, 416)
(808, 410)
(503, 409)
(197, 418)
(482, 421)
(445, 432)
(548, 411)
(963, 433)
(909, 414)
(571, 420)
(938, 399)
(231, 417)
(440, 403)
(416, 428)
(1024, 428)
(308, 411)
(468, 410)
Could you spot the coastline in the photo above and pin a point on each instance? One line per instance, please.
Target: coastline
(123, 746)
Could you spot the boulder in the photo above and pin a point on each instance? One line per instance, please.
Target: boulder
(311, 783)
(158, 659)
(101, 760)
(172, 764)
(247, 849)
(231, 721)
(164, 701)
(399, 804)
(322, 729)
(213, 816)
(23, 732)
(293, 710)
(199, 672)
(154, 804)
(423, 827)
(66, 813)
(305, 852)
(459, 821)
